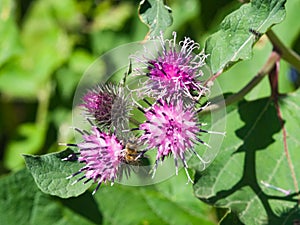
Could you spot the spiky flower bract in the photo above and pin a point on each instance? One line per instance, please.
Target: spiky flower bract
(173, 70)
(109, 106)
(172, 129)
(102, 155)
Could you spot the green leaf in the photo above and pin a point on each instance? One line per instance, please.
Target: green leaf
(252, 158)
(234, 41)
(23, 203)
(241, 73)
(170, 202)
(50, 173)
(156, 15)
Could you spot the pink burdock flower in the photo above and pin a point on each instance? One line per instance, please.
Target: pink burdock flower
(108, 105)
(173, 129)
(102, 154)
(173, 70)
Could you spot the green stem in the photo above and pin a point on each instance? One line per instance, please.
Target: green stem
(286, 53)
(273, 58)
(280, 51)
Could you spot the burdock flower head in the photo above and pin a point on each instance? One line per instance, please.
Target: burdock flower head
(173, 70)
(108, 105)
(102, 154)
(172, 129)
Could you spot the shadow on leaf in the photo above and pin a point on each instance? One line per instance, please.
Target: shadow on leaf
(85, 206)
(260, 125)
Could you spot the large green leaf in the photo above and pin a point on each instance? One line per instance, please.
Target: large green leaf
(170, 202)
(252, 158)
(23, 203)
(50, 173)
(156, 15)
(233, 42)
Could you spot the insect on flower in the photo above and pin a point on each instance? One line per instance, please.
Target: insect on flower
(131, 152)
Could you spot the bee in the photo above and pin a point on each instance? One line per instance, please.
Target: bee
(133, 159)
(131, 153)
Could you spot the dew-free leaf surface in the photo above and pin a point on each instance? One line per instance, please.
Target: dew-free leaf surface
(170, 202)
(50, 173)
(24, 204)
(156, 15)
(251, 159)
(234, 41)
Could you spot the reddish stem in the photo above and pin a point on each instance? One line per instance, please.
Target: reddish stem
(273, 78)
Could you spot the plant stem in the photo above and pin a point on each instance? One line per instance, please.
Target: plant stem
(286, 53)
(280, 51)
(273, 58)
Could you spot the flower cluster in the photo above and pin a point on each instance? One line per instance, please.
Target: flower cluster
(170, 127)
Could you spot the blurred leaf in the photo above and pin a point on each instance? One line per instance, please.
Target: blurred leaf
(46, 43)
(69, 76)
(233, 42)
(288, 30)
(17, 82)
(67, 13)
(170, 202)
(253, 152)
(112, 17)
(46, 47)
(67, 80)
(156, 15)
(50, 173)
(80, 60)
(23, 203)
(106, 40)
(9, 38)
(182, 12)
(29, 140)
